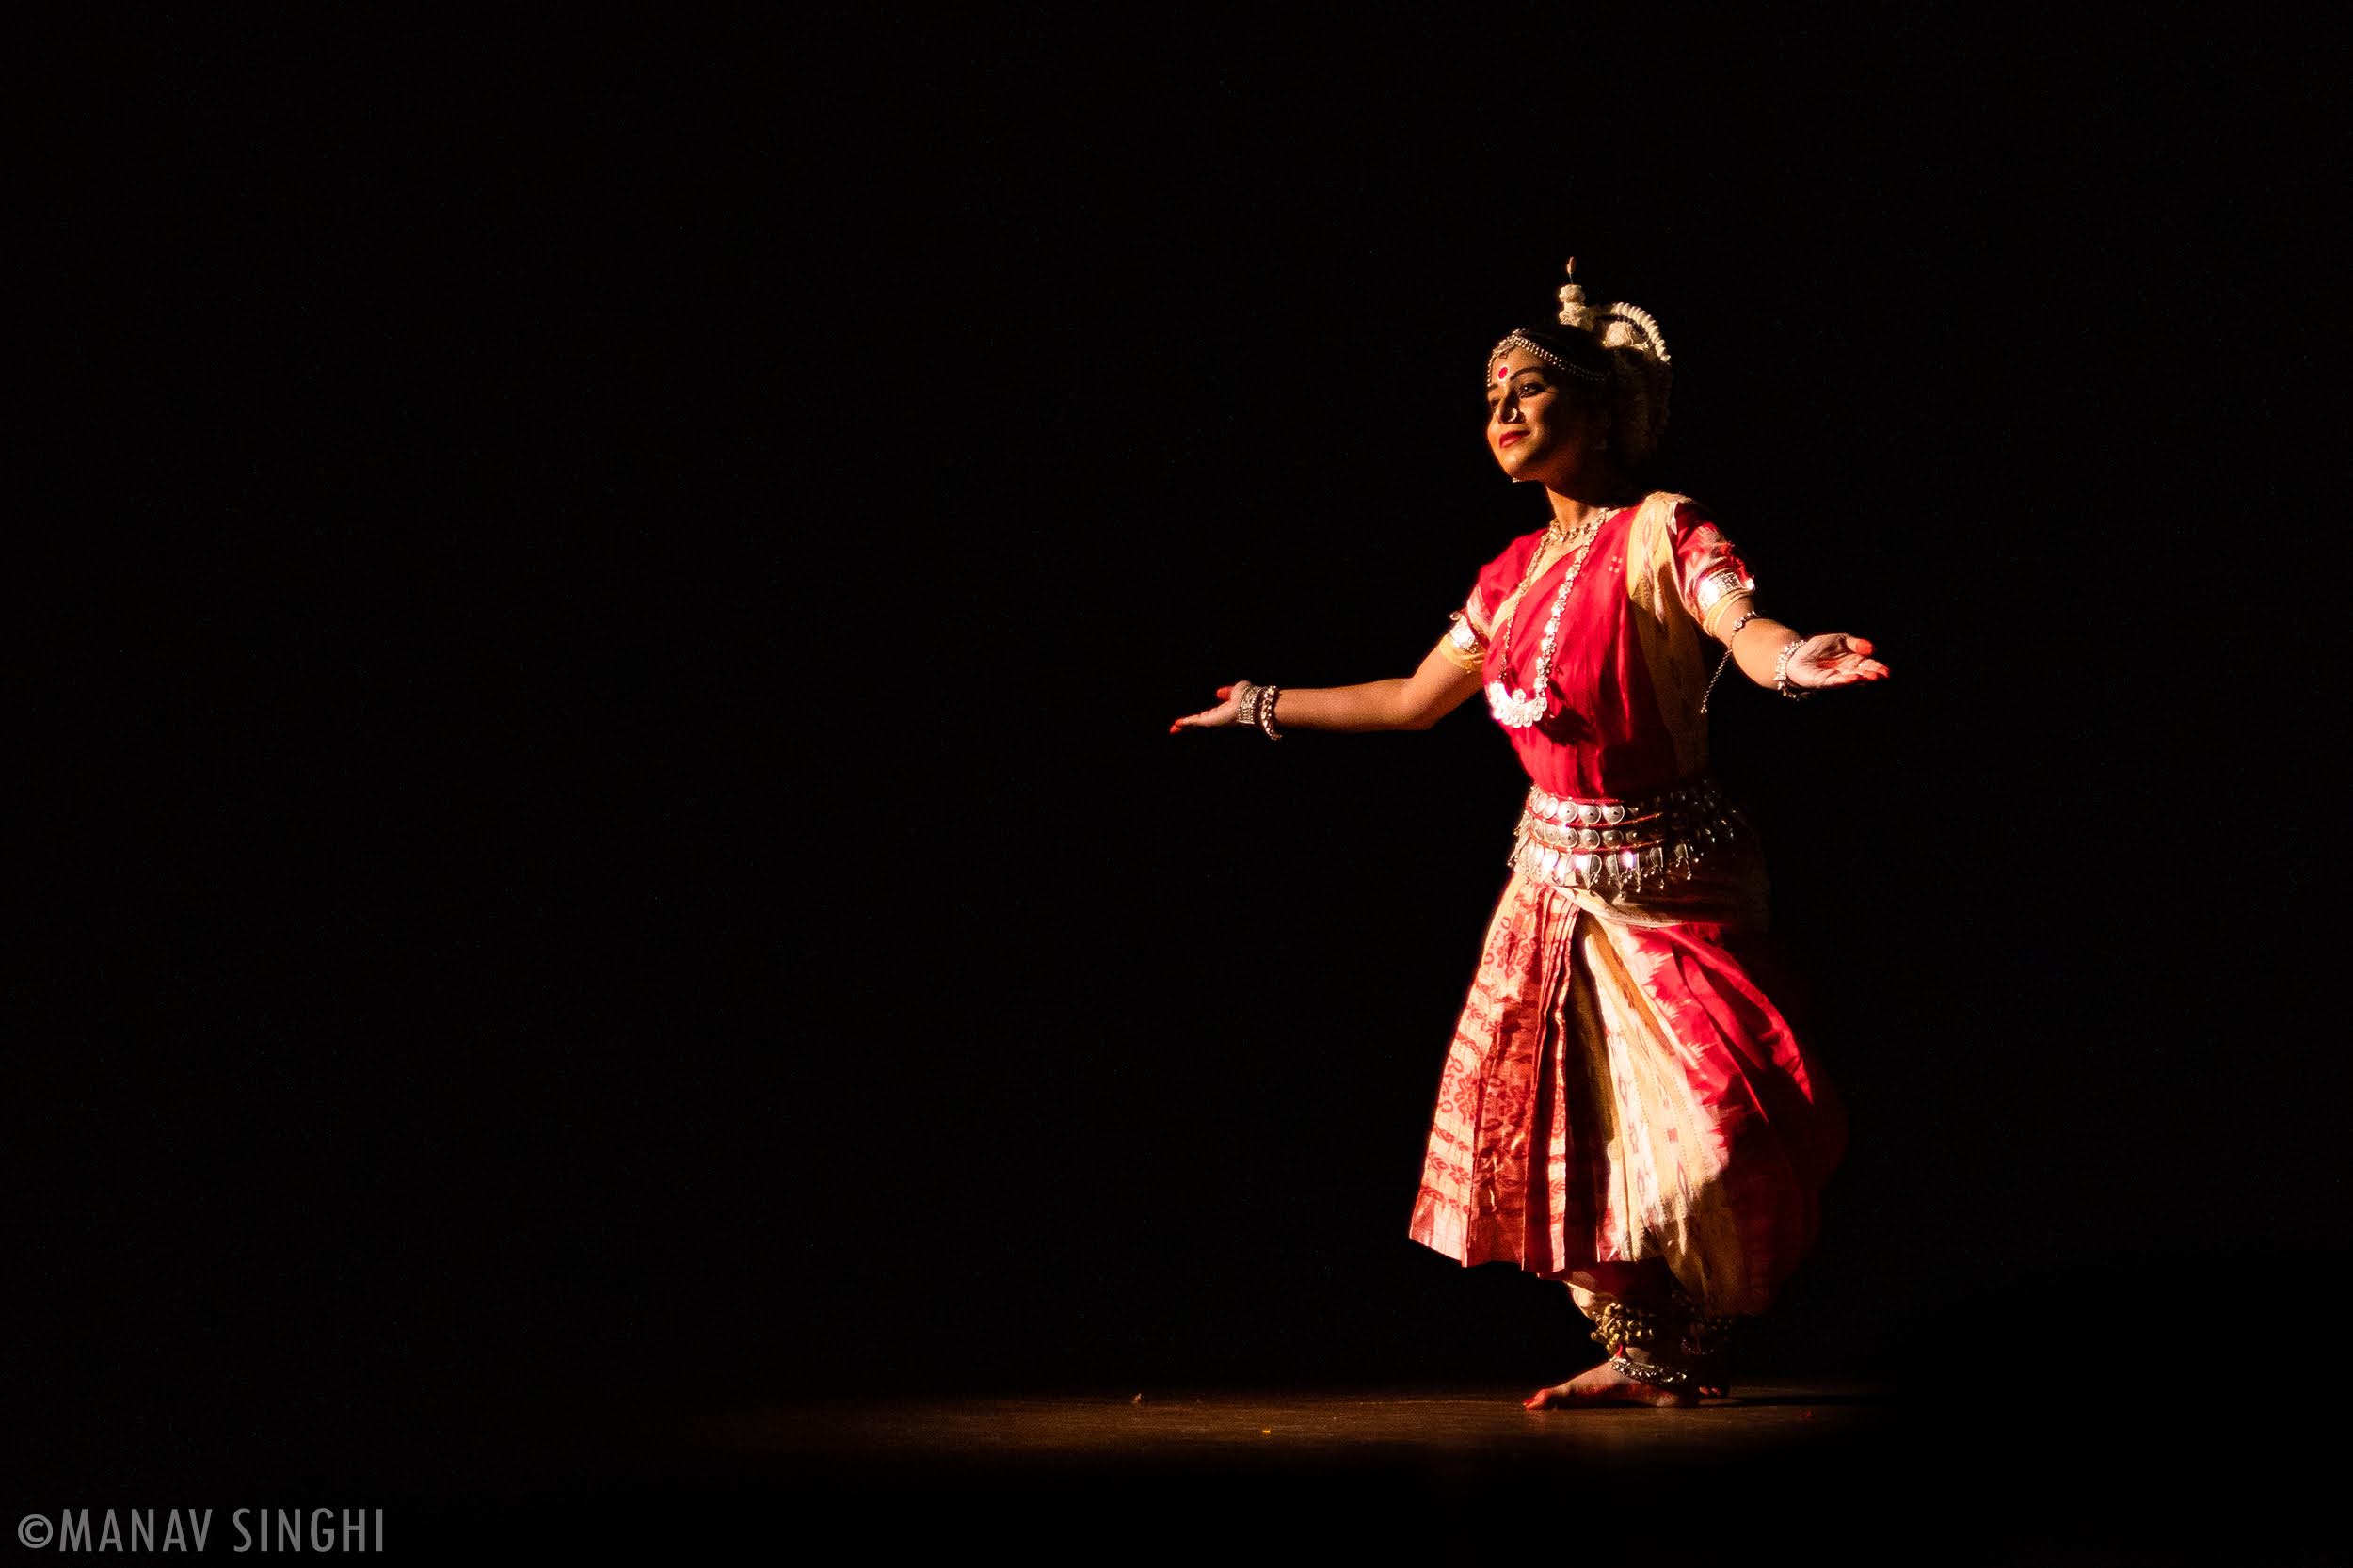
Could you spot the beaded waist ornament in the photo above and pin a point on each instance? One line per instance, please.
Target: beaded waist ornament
(1621, 845)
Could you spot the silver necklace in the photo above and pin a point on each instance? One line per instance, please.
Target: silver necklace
(1516, 709)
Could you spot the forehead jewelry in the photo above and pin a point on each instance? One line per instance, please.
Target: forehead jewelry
(1513, 339)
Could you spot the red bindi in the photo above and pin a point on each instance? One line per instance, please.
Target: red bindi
(1503, 372)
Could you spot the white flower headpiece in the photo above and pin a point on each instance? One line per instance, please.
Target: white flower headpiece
(1638, 362)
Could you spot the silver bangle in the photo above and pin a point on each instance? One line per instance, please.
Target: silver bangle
(1781, 673)
(1266, 711)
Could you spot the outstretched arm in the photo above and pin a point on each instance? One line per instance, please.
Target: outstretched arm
(1826, 659)
(1416, 701)
(1718, 594)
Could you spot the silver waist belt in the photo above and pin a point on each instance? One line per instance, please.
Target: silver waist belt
(1615, 845)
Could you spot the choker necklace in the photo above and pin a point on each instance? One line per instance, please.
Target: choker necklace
(1591, 526)
(1515, 709)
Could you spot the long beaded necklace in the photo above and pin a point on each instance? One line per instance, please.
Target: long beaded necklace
(1515, 709)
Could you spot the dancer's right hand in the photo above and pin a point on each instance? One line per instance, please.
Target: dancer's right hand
(1226, 711)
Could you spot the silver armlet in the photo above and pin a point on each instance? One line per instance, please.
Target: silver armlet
(1719, 585)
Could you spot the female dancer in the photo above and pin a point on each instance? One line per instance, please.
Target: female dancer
(1623, 1109)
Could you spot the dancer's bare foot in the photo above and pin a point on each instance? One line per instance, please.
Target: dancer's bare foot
(1605, 1384)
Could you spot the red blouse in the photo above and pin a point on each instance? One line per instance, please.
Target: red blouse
(1624, 721)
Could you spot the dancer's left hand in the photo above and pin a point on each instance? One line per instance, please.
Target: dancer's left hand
(1834, 659)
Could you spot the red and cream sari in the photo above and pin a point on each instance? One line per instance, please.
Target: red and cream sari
(1620, 1089)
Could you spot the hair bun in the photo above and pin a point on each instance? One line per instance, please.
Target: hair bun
(1641, 366)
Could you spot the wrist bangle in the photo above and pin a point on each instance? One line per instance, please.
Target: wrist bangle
(1266, 712)
(1781, 673)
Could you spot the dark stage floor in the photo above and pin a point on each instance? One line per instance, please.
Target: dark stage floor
(1811, 1470)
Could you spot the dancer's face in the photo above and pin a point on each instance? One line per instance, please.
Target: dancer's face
(1536, 429)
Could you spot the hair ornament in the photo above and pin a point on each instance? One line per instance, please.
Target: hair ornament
(1640, 367)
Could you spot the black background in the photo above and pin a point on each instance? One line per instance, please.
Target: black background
(621, 587)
